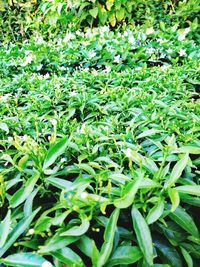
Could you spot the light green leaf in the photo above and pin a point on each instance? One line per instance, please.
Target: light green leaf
(174, 197)
(130, 193)
(78, 230)
(21, 195)
(54, 152)
(187, 257)
(57, 242)
(149, 133)
(156, 212)
(68, 256)
(4, 228)
(108, 238)
(85, 245)
(19, 229)
(94, 12)
(4, 127)
(189, 189)
(177, 171)
(25, 259)
(143, 235)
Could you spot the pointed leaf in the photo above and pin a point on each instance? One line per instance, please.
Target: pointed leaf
(25, 259)
(177, 171)
(4, 228)
(54, 152)
(78, 230)
(125, 255)
(189, 189)
(156, 212)
(130, 193)
(108, 238)
(19, 229)
(68, 256)
(143, 235)
(21, 195)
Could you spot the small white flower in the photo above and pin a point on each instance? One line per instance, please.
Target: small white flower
(131, 40)
(84, 195)
(187, 30)
(62, 160)
(104, 29)
(46, 75)
(181, 36)
(10, 139)
(125, 33)
(160, 40)
(68, 37)
(31, 231)
(108, 69)
(53, 121)
(91, 54)
(117, 59)
(29, 59)
(182, 52)
(128, 152)
(46, 264)
(169, 51)
(149, 31)
(73, 93)
(39, 67)
(150, 50)
(165, 67)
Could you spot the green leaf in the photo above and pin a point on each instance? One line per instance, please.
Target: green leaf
(85, 245)
(54, 152)
(25, 259)
(120, 14)
(59, 183)
(185, 221)
(189, 189)
(125, 255)
(29, 203)
(141, 161)
(21, 195)
(149, 133)
(108, 238)
(174, 197)
(156, 212)
(68, 256)
(143, 235)
(57, 242)
(177, 171)
(187, 257)
(19, 229)
(130, 192)
(78, 230)
(94, 12)
(4, 127)
(195, 150)
(168, 252)
(4, 228)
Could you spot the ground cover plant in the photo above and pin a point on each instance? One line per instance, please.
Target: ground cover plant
(99, 150)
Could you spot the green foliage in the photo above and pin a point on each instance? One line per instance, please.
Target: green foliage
(20, 20)
(100, 148)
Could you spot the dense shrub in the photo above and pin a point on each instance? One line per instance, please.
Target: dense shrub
(21, 19)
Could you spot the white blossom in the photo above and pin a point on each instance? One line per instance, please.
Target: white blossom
(53, 121)
(131, 40)
(46, 264)
(182, 52)
(149, 31)
(108, 69)
(117, 59)
(169, 50)
(84, 195)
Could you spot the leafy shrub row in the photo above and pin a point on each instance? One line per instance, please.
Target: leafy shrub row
(99, 163)
(22, 19)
